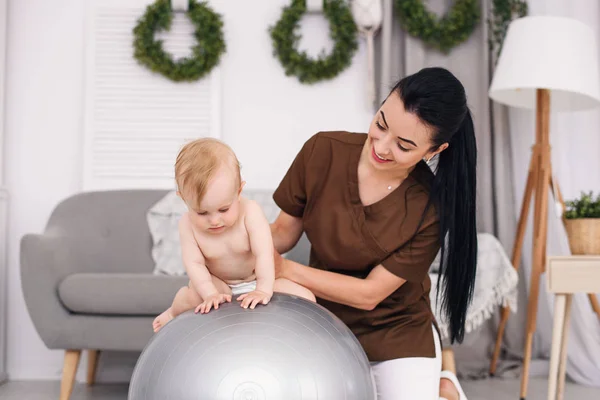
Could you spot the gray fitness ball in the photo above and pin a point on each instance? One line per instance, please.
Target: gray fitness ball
(290, 349)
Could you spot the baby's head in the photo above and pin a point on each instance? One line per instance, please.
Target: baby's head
(207, 173)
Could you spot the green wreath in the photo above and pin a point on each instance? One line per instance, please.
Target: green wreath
(342, 31)
(205, 55)
(503, 12)
(442, 34)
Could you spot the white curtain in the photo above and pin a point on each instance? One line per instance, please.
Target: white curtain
(504, 139)
(575, 140)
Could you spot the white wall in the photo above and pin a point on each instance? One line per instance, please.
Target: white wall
(3, 197)
(266, 118)
(43, 124)
(3, 40)
(266, 113)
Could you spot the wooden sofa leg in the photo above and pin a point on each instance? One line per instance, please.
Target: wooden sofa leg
(92, 366)
(448, 363)
(69, 371)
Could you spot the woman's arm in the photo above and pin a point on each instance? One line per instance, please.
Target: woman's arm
(286, 231)
(355, 292)
(364, 294)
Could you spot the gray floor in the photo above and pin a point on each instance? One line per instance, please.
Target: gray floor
(491, 389)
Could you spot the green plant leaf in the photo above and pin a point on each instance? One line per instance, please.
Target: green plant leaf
(443, 33)
(585, 206)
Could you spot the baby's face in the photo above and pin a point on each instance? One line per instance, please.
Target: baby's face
(220, 207)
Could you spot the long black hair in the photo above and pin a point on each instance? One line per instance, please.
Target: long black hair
(438, 99)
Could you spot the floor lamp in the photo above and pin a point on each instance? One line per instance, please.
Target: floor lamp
(546, 64)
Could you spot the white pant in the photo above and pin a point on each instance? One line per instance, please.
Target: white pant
(413, 378)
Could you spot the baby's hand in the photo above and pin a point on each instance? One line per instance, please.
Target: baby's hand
(213, 301)
(253, 298)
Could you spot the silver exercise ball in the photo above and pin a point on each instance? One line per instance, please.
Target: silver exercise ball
(290, 349)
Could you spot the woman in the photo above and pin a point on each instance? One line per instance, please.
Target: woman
(376, 217)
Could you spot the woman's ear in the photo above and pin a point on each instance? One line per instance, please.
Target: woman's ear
(441, 148)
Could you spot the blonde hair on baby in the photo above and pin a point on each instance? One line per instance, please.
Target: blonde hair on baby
(196, 164)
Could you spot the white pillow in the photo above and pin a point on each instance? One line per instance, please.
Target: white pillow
(163, 222)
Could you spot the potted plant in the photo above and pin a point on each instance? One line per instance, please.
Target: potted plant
(582, 222)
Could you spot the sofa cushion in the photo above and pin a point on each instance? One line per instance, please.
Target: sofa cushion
(120, 293)
(163, 223)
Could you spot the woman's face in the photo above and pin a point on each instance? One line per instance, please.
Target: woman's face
(397, 138)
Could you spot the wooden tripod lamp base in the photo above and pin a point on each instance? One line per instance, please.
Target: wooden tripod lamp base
(539, 183)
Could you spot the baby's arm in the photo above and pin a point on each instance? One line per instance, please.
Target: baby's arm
(194, 262)
(261, 243)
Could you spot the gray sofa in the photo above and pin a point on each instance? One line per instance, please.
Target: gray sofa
(88, 279)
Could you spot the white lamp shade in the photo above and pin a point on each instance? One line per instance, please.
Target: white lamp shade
(544, 52)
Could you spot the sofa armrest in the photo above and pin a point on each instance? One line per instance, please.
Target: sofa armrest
(44, 263)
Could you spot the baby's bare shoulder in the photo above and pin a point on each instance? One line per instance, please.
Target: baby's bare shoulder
(251, 208)
(247, 203)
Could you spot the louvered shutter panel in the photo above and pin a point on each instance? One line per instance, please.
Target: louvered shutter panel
(135, 120)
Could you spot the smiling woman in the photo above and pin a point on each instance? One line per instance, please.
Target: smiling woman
(370, 258)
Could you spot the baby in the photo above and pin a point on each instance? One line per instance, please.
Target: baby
(226, 241)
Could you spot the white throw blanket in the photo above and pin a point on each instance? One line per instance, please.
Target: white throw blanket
(495, 285)
(163, 222)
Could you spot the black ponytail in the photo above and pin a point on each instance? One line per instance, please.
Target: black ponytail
(453, 193)
(439, 100)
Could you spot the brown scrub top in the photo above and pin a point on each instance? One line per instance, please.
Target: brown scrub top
(321, 187)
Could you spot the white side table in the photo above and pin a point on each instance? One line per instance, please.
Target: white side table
(567, 275)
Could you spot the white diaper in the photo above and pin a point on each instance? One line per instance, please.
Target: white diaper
(244, 287)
